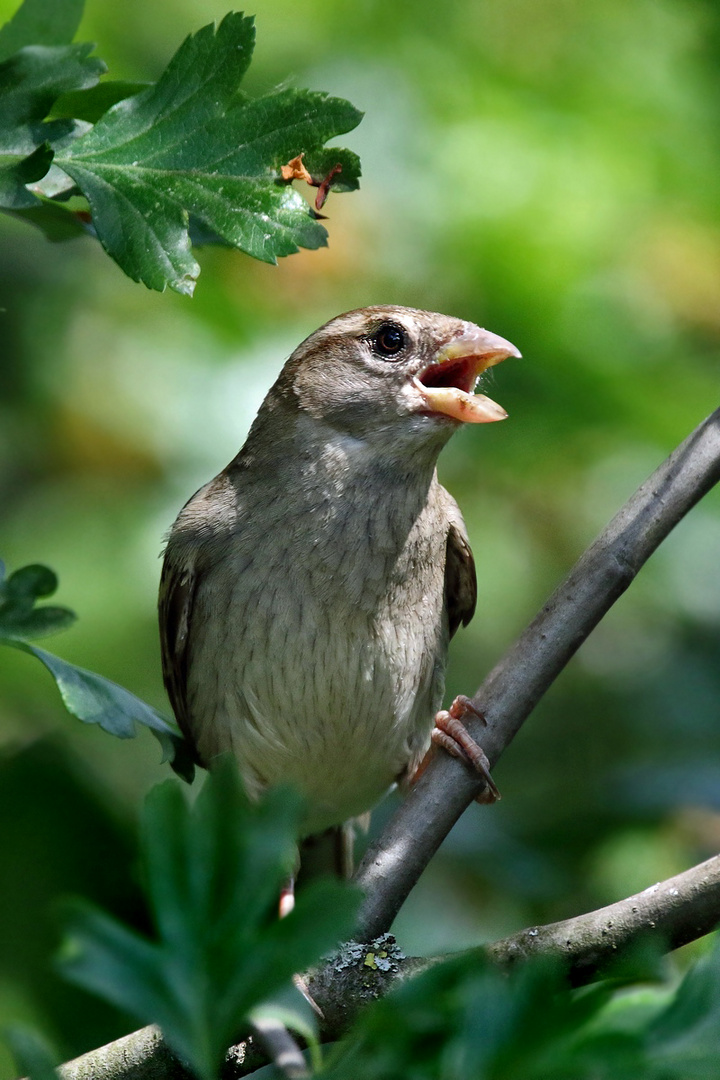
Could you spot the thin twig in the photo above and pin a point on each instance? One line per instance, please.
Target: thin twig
(282, 1049)
(395, 861)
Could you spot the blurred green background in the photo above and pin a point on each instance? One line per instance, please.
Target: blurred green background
(546, 168)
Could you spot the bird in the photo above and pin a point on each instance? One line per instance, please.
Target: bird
(310, 590)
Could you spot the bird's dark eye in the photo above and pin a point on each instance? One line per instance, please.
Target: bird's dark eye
(389, 340)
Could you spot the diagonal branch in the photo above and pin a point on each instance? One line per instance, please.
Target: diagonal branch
(680, 909)
(513, 688)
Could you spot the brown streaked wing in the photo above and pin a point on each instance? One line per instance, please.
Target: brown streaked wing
(177, 592)
(460, 577)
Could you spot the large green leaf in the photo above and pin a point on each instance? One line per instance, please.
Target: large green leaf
(187, 156)
(213, 872)
(191, 146)
(97, 700)
(30, 82)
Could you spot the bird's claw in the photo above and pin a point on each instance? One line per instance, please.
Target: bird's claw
(450, 733)
(461, 706)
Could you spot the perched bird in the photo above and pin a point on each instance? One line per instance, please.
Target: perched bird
(310, 590)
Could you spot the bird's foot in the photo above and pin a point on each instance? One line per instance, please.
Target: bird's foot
(450, 733)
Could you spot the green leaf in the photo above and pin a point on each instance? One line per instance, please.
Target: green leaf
(30, 82)
(41, 22)
(38, 623)
(32, 1055)
(28, 583)
(13, 178)
(19, 618)
(193, 146)
(463, 1018)
(684, 1039)
(92, 103)
(97, 700)
(213, 874)
(113, 962)
(189, 156)
(90, 697)
(57, 223)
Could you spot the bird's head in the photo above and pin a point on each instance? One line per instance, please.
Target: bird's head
(395, 370)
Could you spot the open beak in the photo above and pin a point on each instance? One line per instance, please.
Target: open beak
(447, 384)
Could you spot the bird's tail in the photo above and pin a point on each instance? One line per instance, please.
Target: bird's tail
(332, 851)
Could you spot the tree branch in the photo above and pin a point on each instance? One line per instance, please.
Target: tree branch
(142, 1055)
(679, 910)
(511, 691)
(676, 911)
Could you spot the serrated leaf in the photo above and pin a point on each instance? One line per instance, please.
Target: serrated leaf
(38, 22)
(191, 146)
(187, 154)
(464, 1018)
(111, 960)
(213, 871)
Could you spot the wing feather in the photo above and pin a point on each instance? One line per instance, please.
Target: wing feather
(460, 576)
(178, 585)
